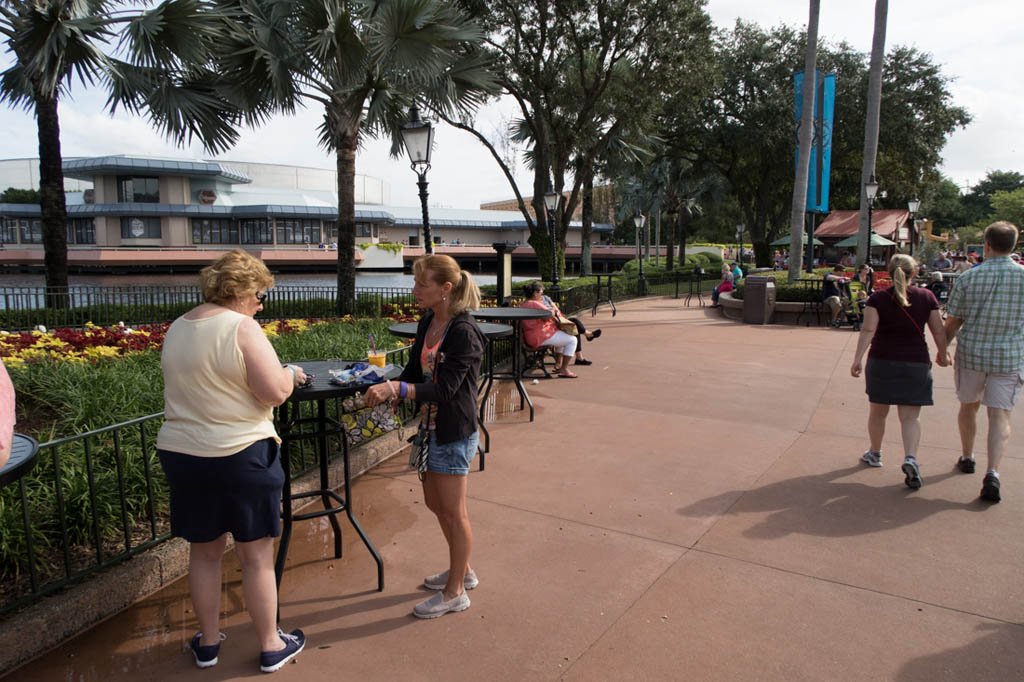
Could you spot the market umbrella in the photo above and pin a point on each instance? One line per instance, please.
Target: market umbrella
(784, 241)
(876, 240)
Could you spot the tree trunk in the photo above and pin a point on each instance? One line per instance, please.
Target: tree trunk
(52, 204)
(871, 124)
(346, 152)
(587, 229)
(670, 242)
(796, 218)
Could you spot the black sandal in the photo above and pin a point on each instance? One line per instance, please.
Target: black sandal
(583, 362)
(594, 334)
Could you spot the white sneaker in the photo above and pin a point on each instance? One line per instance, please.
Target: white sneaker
(436, 606)
(871, 458)
(439, 581)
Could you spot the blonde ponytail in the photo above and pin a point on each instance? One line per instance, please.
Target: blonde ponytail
(902, 268)
(465, 295)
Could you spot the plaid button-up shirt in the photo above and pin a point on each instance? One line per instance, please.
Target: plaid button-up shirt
(990, 300)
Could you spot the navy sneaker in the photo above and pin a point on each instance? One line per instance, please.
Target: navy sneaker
(911, 474)
(206, 656)
(990, 489)
(272, 661)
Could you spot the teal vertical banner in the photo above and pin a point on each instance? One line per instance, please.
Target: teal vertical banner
(821, 139)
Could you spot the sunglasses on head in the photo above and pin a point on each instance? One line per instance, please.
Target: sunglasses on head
(261, 297)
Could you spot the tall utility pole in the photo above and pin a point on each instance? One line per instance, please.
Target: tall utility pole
(799, 210)
(871, 124)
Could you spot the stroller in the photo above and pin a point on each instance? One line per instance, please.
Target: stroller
(852, 312)
(937, 285)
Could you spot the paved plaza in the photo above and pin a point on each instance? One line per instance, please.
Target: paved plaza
(691, 508)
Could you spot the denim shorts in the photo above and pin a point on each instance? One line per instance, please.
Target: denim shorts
(452, 458)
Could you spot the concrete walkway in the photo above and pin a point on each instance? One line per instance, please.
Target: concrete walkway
(691, 508)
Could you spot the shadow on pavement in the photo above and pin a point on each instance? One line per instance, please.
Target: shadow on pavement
(824, 506)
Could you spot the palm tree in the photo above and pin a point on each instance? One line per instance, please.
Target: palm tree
(365, 62)
(797, 217)
(166, 73)
(871, 124)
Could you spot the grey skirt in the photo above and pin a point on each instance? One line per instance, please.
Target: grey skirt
(897, 382)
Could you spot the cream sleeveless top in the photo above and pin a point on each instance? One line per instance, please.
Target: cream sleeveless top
(209, 410)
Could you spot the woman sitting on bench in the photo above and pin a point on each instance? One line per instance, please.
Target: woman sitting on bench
(540, 333)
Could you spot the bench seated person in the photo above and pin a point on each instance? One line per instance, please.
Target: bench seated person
(546, 333)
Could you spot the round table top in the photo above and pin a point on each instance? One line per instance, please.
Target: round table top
(322, 388)
(511, 314)
(23, 458)
(407, 330)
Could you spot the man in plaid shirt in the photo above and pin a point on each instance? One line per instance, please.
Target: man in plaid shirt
(986, 307)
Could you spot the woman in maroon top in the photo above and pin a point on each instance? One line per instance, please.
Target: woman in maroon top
(898, 369)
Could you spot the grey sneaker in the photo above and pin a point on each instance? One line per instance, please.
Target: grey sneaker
(439, 581)
(912, 474)
(872, 458)
(436, 606)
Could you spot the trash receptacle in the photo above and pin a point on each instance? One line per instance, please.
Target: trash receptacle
(758, 300)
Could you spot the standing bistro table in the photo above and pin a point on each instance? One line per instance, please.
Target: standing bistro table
(23, 459)
(598, 300)
(288, 416)
(407, 330)
(515, 317)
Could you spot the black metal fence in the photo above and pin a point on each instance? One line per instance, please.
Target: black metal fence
(23, 308)
(98, 498)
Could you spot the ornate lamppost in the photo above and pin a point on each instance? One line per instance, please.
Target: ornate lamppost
(913, 206)
(418, 136)
(641, 283)
(870, 191)
(551, 204)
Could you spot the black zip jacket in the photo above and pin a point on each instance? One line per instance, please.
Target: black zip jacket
(458, 371)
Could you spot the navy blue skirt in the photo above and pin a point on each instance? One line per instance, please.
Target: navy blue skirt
(239, 494)
(896, 382)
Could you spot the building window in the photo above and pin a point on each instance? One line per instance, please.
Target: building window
(256, 231)
(214, 231)
(9, 231)
(81, 231)
(31, 230)
(297, 231)
(331, 231)
(137, 227)
(140, 189)
(365, 230)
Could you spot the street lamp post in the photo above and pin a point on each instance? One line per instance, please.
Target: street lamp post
(739, 242)
(870, 191)
(551, 204)
(641, 283)
(913, 205)
(418, 136)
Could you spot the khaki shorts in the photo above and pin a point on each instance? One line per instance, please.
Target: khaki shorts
(991, 389)
(836, 304)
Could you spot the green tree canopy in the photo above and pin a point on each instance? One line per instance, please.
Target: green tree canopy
(978, 204)
(363, 62)
(747, 131)
(12, 195)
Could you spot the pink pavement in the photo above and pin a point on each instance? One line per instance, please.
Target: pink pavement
(691, 508)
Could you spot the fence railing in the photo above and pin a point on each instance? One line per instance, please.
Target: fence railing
(24, 308)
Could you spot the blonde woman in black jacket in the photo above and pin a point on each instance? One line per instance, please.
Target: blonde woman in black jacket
(442, 374)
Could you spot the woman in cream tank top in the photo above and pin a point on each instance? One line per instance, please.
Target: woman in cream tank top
(220, 451)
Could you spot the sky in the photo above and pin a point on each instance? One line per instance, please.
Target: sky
(978, 45)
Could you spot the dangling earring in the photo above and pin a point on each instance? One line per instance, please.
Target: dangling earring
(444, 299)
